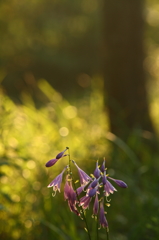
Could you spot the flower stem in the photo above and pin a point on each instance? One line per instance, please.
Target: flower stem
(107, 232)
(74, 186)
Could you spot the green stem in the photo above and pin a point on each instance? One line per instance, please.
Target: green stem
(97, 227)
(107, 232)
(74, 186)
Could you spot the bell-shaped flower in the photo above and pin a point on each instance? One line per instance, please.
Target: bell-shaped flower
(120, 183)
(96, 205)
(84, 178)
(97, 171)
(70, 195)
(56, 183)
(85, 201)
(80, 189)
(102, 218)
(108, 187)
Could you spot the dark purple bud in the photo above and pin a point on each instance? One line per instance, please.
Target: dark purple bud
(60, 155)
(51, 162)
(94, 183)
(92, 192)
(120, 183)
(104, 179)
(103, 166)
(97, 171)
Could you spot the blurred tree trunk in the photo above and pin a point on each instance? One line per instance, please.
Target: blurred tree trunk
(125, 85)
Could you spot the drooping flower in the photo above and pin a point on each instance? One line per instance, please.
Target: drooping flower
(108, 187)
(70, 196)
(80, 189)
(56, 183)
(84, 178)
(85, 201)
(96, 205)
(51, 162)
(102, 218)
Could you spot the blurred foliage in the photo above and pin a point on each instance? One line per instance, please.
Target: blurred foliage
(30, 137)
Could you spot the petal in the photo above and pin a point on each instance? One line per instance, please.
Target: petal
(96, 205)
(84, 178)
(102, 218)
(109, 188)
(92, 192)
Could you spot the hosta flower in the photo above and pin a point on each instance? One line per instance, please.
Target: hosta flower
(85, 201)
(80, 189)
(108, 187)
(96, 205)
(84, 178)
(102, 218)
(56, 183)
(51, 162)
(70, 196)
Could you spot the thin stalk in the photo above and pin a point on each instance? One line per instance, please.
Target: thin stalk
(107, 233)
(97, 227)
(74, 186)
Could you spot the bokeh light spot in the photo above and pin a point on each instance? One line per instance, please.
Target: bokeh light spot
(63, 131)
(70, 112)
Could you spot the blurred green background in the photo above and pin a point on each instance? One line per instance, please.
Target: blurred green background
(55, 92)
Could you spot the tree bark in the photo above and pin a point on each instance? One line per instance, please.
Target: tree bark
(125, 83)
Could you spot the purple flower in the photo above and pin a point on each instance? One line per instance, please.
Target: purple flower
(102, 219)
(120, 183)
(80, 189)
(96, 205)
(70, 195)
(85, 201)
(51, 162)
(84, 178)
(108, 188)
(97, 171)
(56, 183)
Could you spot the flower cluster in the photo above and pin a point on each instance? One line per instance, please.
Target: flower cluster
(96, 187)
